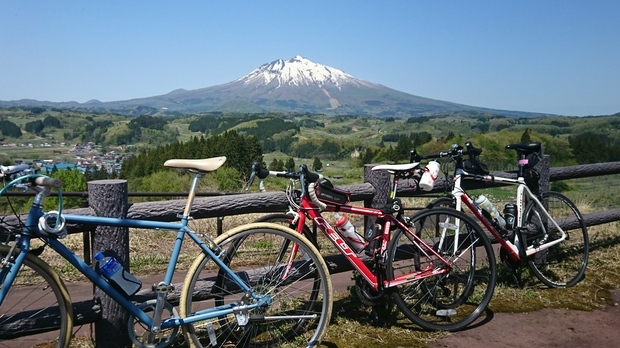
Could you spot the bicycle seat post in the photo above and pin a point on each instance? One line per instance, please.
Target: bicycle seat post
(394, 185)
(192, 194)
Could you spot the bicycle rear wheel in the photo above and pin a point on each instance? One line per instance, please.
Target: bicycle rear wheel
(563, 264)
(449, 301)
(442, 202)
(259, 253)
(37, 309)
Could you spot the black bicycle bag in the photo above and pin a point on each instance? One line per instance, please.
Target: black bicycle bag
(327, 193)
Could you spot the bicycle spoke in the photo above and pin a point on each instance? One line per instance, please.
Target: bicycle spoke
(453, 300)
(279, 265)
(36, 310)
(563, 264)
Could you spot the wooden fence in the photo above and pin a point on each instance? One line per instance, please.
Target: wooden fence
(373, 192)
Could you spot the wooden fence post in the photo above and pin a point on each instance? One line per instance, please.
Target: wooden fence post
(543, 167)
(380, 180)
(109, 198)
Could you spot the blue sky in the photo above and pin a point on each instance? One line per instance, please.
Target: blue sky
(560, 57)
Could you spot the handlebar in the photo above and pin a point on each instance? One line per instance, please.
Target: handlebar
(22, 177)
(48, 182)
(456, 152)
(262, 174)
(307, 178)
(24, 171)
(8, 170)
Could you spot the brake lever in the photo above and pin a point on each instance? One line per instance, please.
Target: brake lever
(251, 179)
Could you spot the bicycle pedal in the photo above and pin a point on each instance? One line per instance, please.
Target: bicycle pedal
(445, 312)
(163, 288)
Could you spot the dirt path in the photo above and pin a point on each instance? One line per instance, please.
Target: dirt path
(546, 328)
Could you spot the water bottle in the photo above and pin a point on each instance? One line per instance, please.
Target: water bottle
(122, 280)
(347, 229)
(431, 171)
(485, 204)
(510, 214)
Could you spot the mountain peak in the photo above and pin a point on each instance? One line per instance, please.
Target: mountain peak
(297, 71)
(294, 85)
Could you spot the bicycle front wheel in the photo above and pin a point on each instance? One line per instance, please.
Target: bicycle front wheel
(563, 264)
(36, 311)
(272, 260)
(449, 301)
(288, 220)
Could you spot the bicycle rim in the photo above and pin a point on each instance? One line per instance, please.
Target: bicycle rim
(37, 310)
(449, 301)
(563, 264)
(259, 253)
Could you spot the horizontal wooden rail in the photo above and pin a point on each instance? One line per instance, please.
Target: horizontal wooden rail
(239, 204)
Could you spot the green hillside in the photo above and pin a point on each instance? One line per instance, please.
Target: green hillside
(39, 133)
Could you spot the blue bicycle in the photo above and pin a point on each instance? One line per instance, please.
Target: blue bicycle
(275, 291)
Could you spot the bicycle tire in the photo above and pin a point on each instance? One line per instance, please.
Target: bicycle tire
(450, 301)
(449, 202)
(37, 309)
(442, 202)
(310, 292)
(564, 264)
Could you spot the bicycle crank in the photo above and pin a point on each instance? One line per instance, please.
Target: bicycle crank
(140, 334)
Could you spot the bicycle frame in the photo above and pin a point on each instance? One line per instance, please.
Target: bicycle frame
(307, 209)
(524, 194)
(310, 207)
(31, 230)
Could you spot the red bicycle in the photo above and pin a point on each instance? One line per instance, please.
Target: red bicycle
(438, 283)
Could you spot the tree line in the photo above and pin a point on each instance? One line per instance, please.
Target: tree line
(241, 151)
(243, 138)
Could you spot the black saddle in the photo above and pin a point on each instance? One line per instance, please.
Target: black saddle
(526, 148)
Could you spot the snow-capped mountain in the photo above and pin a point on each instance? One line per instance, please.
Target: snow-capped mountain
(300, 85)
(294, 85)
(299, 71)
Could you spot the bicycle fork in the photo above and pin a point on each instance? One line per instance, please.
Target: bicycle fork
(10, 266)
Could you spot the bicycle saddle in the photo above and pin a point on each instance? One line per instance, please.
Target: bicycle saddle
(396, 167)
(526, 148)
(201, 165)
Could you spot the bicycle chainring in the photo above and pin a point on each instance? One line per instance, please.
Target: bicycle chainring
(142, 337)
(512, 269)
(366, 294)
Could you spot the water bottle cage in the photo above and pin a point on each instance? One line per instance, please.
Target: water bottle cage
(502, 230)
(373, 233)
(487, 215)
